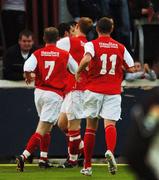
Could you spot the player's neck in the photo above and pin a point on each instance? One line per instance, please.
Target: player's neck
(104, 35)
(80, 34)
(49, 44)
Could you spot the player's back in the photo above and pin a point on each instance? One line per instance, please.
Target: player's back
(51, 68)
(105, 70)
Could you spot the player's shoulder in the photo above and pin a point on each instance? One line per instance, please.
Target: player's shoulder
(77, 39)
(74, 39)
(38, 51)
(62, 51)
(95, 41)
(118, 43)
(63, 40)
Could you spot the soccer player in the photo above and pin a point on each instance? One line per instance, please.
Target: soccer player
(50, 67)
(105, 59)
(73, 103)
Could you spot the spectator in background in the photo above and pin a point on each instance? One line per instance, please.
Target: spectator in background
(95, 9)
(13, 19)
(119, 11)
(141, 73)
(145, 12)
(84, 8)
(16, 55)
(144, 8)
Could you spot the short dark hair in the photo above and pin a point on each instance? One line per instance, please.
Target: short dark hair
(85, 24)
(51, 34)
(105, 25)
(72, 23)
(26, 33)
(62, 28)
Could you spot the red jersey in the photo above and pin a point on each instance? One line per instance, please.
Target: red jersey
(51, 68)
(75, 46)
(105, 73)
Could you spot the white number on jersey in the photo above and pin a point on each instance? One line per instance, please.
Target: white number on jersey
(104, 59)
(50, 65)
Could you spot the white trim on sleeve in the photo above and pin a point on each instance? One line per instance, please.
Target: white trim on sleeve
(64, 43)
(30, 64)
(72, 65)
(128, 59)
(89, 48)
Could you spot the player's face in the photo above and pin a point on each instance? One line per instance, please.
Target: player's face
(26, 43)
(72, 31)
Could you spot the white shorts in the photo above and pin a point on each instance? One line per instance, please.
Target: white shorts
(48, 105)
(73, 105)
(101, 105)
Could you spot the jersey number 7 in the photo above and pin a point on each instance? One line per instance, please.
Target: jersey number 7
(50, 65)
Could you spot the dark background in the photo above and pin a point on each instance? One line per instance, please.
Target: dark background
(18, 121)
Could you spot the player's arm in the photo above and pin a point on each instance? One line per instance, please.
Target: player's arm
(29, 67)
(89, 53)
(83, 64)
(128, 62)
(72, 65)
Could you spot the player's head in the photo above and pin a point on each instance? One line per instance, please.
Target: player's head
(72, 25)
(64, 30)
(25, 40)
(50, 35)
(84, 24)
(105, 25)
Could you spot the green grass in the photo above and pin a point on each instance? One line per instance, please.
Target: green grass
(33, 172)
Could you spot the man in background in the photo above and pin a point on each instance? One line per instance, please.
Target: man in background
(16, 55)
(13, 19)
(141, 73)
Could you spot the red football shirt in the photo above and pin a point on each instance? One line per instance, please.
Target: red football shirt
(75, 46)
(51, 68)
(105, 69)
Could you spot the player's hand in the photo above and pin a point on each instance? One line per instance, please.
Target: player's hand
(29, 77)
(77, 77)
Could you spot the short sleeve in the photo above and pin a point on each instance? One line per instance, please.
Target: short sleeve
(64, 44)
(89, 48)
(30, 64)
(128, 59)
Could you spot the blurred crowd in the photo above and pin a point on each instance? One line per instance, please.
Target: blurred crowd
(123, 12)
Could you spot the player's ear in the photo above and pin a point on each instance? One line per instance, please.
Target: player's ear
(97, 30)
(44, 39)
(77, 26)
(112, 29)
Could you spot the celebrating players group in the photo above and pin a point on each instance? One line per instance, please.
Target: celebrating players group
(74, 80)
